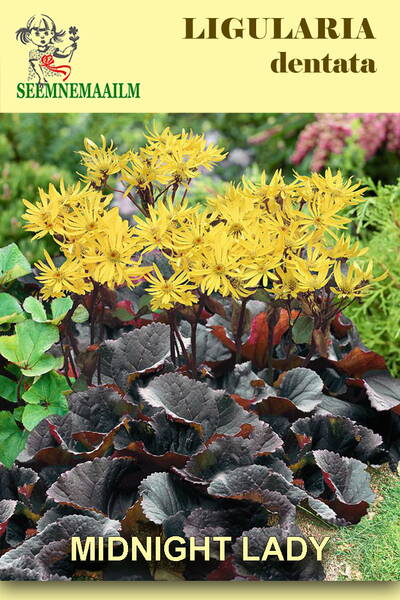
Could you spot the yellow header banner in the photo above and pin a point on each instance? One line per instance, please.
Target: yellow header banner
(199, 57)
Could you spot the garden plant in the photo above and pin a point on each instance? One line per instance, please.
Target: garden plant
(377, 226)
(189, 372)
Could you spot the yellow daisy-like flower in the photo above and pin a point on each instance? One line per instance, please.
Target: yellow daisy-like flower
(238, 218)
(100, 161)
(85, 219)
(46, 216)
(314, 259)
(345, 249)
(109, 260)
(261, 256)
(277, 188)
(292, 233)
(234, 195)
(143, 171)
(166, 292)
(322, 215)
(287, 285)
(70, 277)
(336, 186)
(153, 231)
(73, 195)
(216, 268)
(354, 283)
(310, 281)
(192, 234)
(183, 154)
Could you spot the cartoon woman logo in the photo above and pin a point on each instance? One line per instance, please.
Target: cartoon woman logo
(41, 31)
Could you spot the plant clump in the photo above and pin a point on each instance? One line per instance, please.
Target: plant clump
(212, 385)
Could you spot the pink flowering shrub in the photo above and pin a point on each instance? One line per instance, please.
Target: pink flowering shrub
(329, 132)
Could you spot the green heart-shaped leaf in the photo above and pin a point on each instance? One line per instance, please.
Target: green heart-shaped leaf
(27, 346)
(12, 439)
(8, 389)
(35, 308)
(302, 330)
(10, 309)
(59, 308)
(45, 397)
(49, 389)
(80, 314)
(13, 264)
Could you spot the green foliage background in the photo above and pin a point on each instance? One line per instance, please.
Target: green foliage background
(36, 149)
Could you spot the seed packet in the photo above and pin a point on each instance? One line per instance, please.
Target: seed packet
(199, 366)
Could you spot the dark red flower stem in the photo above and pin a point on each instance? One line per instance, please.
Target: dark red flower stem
(239, 330)
(193, 337)
(93, 308)
(172, 341)
(66, 360)
(101, 339)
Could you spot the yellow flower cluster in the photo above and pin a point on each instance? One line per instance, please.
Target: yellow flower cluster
(167, 159)
(277, 236)
(287, 238)
(97, 243)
